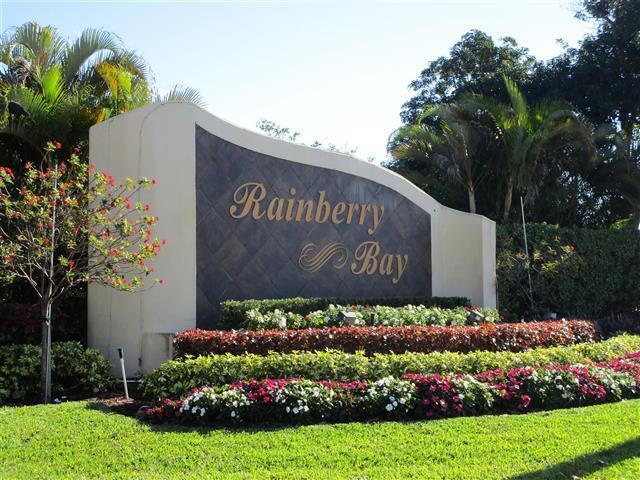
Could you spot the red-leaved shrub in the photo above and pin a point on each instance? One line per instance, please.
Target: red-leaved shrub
(509, 336)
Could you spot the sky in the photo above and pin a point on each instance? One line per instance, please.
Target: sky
(335, 71)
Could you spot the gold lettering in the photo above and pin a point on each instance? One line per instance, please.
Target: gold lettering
(366, 253)
(277, 214)
(338, 210)
(364, 209)
(402, 261)
(323, 206)
(353, 207)
(290, 203)
(386, 264)
(248, 198)
(248, 195)
(305, 204)
(378, 212)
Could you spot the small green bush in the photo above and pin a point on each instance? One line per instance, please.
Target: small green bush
(176, 377)
(234, 312)
(75, 370)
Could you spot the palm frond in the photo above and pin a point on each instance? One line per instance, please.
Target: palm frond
(180, 93)
(41, 45)
(518, 102)
(81, 55)
(52, 84)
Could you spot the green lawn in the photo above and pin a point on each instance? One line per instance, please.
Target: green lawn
(82, 440)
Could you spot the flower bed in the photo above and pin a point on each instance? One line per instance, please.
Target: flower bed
(411, 396)
(176, 378)
(234, 312)
(509, 336)
(366, 315)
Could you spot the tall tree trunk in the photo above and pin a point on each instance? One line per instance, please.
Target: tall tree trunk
(45, 368)
(508, 199)
(472, 199)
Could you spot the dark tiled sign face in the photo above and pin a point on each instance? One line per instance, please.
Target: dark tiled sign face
(272, 228)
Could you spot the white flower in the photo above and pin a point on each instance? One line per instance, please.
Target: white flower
(233, 413)
(202, 412)
(389, 407)
(295, 410)
(402, 401)
(287, 409)
(193, 410)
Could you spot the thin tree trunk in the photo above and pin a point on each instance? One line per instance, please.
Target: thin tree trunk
(45, 370)
(472, 200)
(508, 199)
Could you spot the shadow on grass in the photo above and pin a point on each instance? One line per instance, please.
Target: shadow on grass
(586, 464)
(131, 408)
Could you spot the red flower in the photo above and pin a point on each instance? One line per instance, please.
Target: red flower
(526, 401)
(57, 144)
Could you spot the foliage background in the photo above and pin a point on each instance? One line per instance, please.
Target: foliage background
(574, 271)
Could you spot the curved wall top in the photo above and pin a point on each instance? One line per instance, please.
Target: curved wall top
(249, 216)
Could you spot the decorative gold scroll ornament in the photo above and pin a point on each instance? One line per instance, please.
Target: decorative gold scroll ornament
(311, 259)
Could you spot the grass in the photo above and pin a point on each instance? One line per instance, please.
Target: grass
(85, 440)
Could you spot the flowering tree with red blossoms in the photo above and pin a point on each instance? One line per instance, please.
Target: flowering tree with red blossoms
(63, 223)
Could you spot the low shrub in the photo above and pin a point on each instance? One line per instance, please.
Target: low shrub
(74, 371)
(366, 315)
(176, 378)
(234, 312)
(411, 396)
(509, 336)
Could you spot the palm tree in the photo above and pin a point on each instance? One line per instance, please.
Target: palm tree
(526, 136)
(47, 83)
(449, 138)
(618, 169)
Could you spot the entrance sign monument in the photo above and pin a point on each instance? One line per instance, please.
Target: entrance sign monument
(249, 216)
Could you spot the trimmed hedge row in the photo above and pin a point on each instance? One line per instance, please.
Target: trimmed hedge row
(507, 336)
(372, 316)
(234, 312)
(412, 396)
(176, 378)
(74, 371)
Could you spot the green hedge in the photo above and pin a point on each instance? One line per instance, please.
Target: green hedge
(176, 377)
(370, 316)
(575, 272)
(75, 371)
(234, 312)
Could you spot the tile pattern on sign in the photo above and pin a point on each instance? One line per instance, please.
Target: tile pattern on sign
(239, 259)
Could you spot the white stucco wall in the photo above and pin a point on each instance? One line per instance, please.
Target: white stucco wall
(158, 141)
